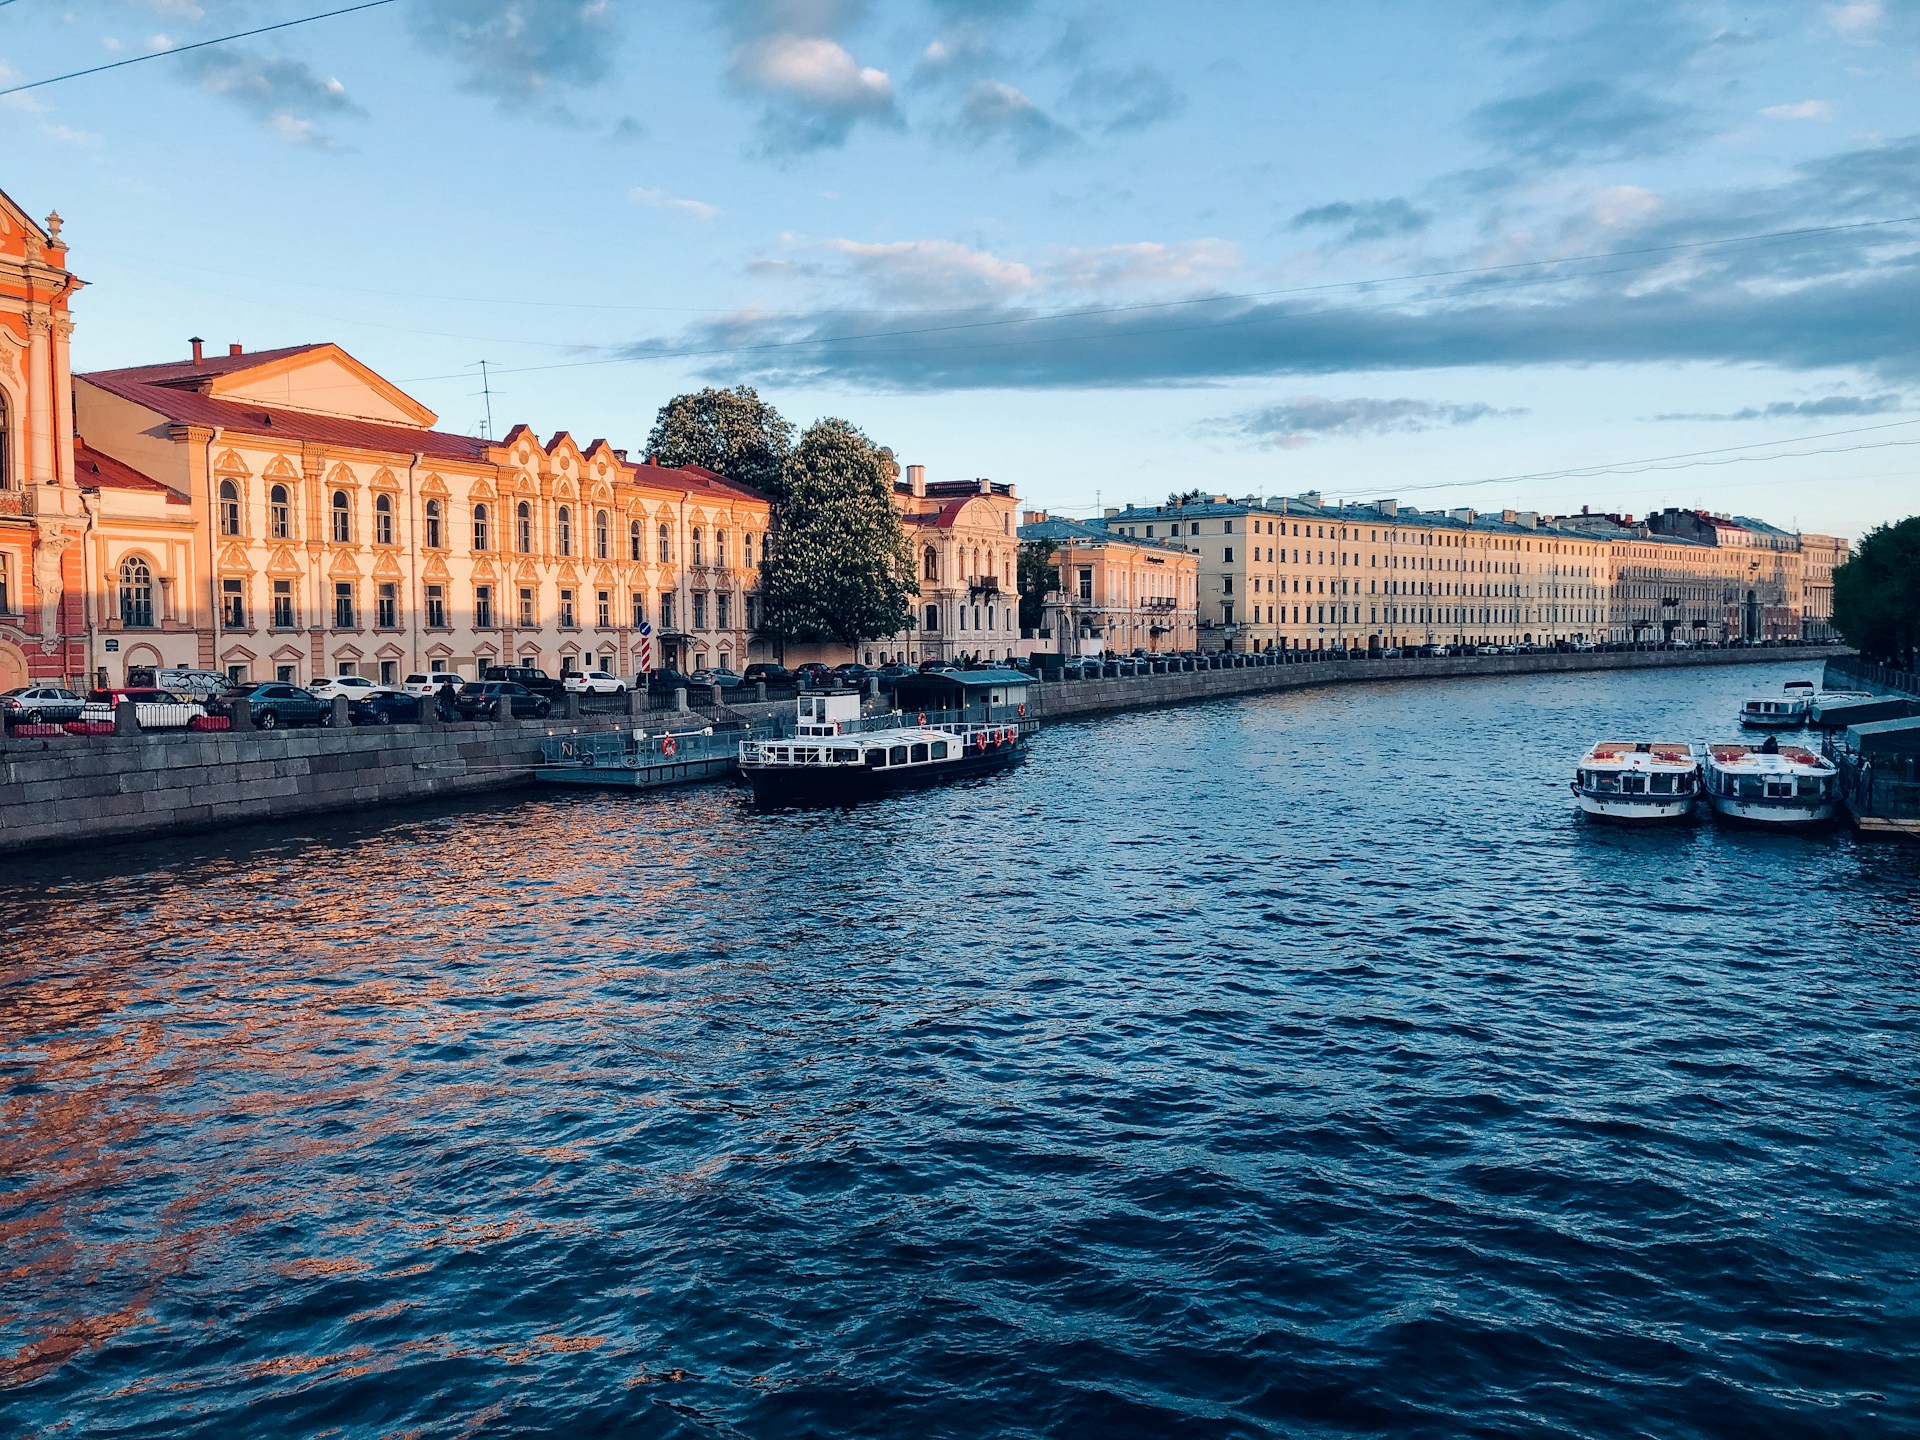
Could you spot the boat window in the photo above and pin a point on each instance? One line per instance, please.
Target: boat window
(939, 749)
(919, 753)
(1752, 788)
(897, 755)
(1633, 784)
(846, 757)
(876, 758)
(1610, 784)
(1661, 784)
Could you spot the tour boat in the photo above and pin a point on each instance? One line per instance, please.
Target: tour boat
(1771, 784)
(1638, 782)
(834, 757)
(1785, 711)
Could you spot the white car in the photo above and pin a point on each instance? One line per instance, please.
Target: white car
(418, 684)
(154, 709)
(593, 682)
(354, 687)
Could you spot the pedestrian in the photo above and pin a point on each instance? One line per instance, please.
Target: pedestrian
(447, 702)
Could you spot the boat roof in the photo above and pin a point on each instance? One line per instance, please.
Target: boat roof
(1762, 759)
(1658, 749)
(972, 679)
(1885, 736)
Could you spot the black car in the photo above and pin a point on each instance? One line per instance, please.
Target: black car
(479, 697)
(527, 677)
(772, 674)
(274, 703)
(386, 707)
(665, 682)
(888, 674)
(852, 673)
(814, 676)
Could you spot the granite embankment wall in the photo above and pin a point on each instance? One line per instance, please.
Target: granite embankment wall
(73, 791)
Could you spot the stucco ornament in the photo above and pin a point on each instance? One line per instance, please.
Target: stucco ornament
(50, 546)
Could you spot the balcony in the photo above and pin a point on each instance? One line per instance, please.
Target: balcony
(1160, 604)
(978, 585)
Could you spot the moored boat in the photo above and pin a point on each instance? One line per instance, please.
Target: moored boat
(1785, 711)
(1771, 784)
(832, 759)
(1638, 782)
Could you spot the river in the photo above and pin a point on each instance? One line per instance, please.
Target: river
(1294, 1065)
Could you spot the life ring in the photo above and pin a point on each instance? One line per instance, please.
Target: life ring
(921, 719)
(668, 746)
(1023, 712)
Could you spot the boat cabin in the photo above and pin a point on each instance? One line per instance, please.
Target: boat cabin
(832, 712)
(961, 690)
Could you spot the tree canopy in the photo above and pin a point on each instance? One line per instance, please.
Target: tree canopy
(733, 432)
(1876, 594)
(1037, 577)
(839, 567)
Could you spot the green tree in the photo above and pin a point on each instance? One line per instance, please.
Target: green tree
(1037, 577)
(1194, 496)
(839, 568)
(733, 432)
(1876, 594)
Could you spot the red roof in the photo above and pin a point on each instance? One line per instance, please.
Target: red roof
(944, 520)
(157, 387)
(188, 372)
(697, 479)
(94, 471)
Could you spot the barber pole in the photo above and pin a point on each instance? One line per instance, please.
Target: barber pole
(646, 647)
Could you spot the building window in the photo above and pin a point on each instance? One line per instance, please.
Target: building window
(6, 446)
(479, 527)
(1227, 557)
(746, 550)
(233, 604)
(929, 565)
(229, 508)
(723, 611)
(523, 527)
(387, 606)
(666, 611)
(566, 609)
(699, 609)
(389, 671)
(279, 513)
(931, 620)
(696, 545)
(283, 605)
(136, 595)
(602, 537)
(639, 609)
(1226, 612)
(633, 540)
(483, 607)
(720, 548)
(433, 524)
(1086, 582)
(6, 587)
(752, 615)
(436, 607)
(343, 605)
(526, 607)
(383, 520)
(342, 519)
(565, 527)
(236, 674)
(666, 546)
(603, 608)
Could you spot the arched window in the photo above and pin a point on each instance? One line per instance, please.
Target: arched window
(479, 528)
(666, 546)
(720, 548)
(523, 527)
(229, 508)
(746, 550)
(602, 541)
(565, 527)
(342, 518)
(633, 540)
(136, 594)
(696, 545)
(279, 513)
(433, 524)
(930, 567)
(383, 520)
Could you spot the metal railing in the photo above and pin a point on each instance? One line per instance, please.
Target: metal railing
(1884, 676)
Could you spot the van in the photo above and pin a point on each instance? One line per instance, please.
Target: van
(182, 680)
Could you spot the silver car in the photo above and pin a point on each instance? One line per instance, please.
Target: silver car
(40, 705)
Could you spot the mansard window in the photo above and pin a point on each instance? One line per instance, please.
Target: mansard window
(666, 546)
(279, 513)
(633, 541)
(229, 508)
(602, 540)
(566, 530)
(342, 518)
(136, 594)
(383, 520)
(523, 527)
(929, 566)
(696, 545)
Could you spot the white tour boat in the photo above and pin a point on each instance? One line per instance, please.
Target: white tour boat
(1638, 782)
(1771, 784)
(833, 758)
(1786, 711)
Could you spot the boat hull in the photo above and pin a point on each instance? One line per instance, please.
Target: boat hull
(1618, 810)
(1773, 722)
(849, 784)
(1775, 814)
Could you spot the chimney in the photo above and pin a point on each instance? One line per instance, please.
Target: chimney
(234, 349)
(1388, 508)
(917, 479)
(196, 342)
(1034, 517)
(1112, 510)
(986, 485)
(621, 456)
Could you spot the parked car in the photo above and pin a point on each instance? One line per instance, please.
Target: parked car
(479, 697)
(888, 674)
(155, 709)
(386, 706)
(274, 703)
(528, 677)
(772, 674)
(665, 682)
(719, 675)
(814, 676)
(40, 705)
(354, 687)
(593, 682)
(430, 683)
(852, 673)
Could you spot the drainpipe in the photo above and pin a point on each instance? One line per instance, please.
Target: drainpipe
(89, 612)
(213, 547)
(413, 566)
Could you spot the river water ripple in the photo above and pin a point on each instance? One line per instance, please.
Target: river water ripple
(1297, 1065)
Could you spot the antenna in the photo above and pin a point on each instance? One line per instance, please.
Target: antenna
(486, 390)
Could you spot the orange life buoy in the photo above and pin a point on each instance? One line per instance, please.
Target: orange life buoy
(1023, 712)
(667, 747)
(922, 719)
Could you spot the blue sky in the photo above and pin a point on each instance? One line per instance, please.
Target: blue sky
(1100, 251)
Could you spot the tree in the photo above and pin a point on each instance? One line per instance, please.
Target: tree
(733, 432)
(840, 569)
(1037, 577)
(1194, 496)
(1876, 594)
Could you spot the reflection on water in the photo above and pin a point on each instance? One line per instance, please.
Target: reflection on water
(1296, 1064)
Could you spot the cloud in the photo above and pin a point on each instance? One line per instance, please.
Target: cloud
(1364, 220)
(522, 51)
(1825, 408)
(1114, 101)
(994, 110)
(1145, 263)
(1804, 110)
(282, 94)
(661, 200)
(1299, 421)
(1857, 20)
(788, 53)
(932, 272)
(1581, 120)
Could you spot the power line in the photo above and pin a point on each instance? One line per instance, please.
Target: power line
(195, 45)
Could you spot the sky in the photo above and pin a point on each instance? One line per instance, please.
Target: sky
(1538, 255)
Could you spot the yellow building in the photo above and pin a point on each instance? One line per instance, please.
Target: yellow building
(966, 559)
(300, 517)
(1115, 594)
(1820, 556)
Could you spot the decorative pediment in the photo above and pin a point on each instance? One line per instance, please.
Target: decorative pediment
(604, 577)
(234, 559)
(281, 560)
(389, 651)
(483, 571)
(385, 567)
(289, 654)
(436, 570)
(343, 567)
(480, 492)
(570, 647)
(280, 468)
(439, 650)
(349, 651)
(434, 486)
(568, 575)
(237, 655)
(230, 463)
(525, 573)
(524, 484)
(486, 650)
(341, 475)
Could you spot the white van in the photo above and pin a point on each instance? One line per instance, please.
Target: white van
(190, 683)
